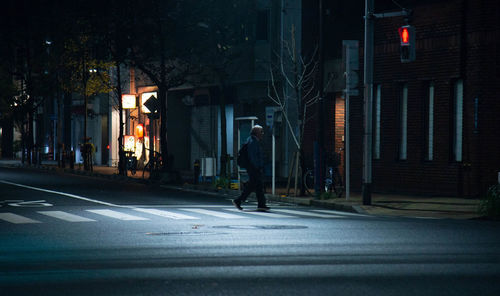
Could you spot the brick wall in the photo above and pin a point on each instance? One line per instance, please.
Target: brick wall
(455, 40)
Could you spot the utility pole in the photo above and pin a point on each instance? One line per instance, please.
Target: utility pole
(368, 95)
(318, 184)
(370, 17)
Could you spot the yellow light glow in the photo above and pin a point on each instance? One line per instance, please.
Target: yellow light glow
(129, 143)
(139, 131)
(144, 97)
(128, 102)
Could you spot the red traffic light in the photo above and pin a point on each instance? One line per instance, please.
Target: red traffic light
(407, 44)
(404, 35)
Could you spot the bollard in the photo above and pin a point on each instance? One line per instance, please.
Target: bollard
(72, 159)
(63, 159)
(196, 171)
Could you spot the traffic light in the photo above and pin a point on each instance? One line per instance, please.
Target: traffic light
(407, 45)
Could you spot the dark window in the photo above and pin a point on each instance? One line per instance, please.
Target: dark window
(262, 29)
(377, 115)
(429, 99)
(403, 122)
(456, 120)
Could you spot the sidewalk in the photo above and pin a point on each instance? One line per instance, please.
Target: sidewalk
(381, 205)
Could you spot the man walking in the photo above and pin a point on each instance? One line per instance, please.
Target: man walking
(254, 170)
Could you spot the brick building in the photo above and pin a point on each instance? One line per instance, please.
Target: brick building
(436, 123)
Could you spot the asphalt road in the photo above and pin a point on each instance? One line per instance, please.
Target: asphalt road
(73, 235)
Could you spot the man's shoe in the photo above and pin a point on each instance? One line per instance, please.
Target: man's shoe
(263, 209)
(237, 205)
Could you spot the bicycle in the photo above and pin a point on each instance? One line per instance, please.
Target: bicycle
(131, 162)
(333, 179)
(154, 165)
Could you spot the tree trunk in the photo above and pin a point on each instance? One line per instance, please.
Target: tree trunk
(121, 154)
(23, 144)
(30, 136)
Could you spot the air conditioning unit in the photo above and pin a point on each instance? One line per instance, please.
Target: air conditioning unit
(208, 167)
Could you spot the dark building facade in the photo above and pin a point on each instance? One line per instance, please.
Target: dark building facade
(436, 123)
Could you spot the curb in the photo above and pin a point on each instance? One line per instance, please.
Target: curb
(338, 206)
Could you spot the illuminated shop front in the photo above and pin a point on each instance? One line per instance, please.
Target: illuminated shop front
(142, 124)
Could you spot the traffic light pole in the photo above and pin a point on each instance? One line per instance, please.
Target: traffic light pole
(368, 95)
(370, 17)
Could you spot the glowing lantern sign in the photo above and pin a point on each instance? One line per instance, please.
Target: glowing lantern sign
(128, 102)
(139, 131)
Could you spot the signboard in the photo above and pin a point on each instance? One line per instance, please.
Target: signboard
(144, 97)
(270, 115)
(350, 63)
(129, 144)
(153, 105)
(128, 102)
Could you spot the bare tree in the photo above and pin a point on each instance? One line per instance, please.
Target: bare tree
(298, 73)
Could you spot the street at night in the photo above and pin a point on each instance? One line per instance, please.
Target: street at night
(243, 147)
(73, 235)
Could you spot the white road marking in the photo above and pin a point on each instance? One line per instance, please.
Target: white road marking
(175, 206)
(265, 214)
(64, 194)
(116, 215)
(214, 213)
(16, 219)
(309, 214)
(65, 216)
(31, 203)
(338, 213)
(165, 214)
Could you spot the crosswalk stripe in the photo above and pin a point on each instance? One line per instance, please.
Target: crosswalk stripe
(214, 213)
(65, 216)
(265, 214)
(16, 219)
(220, 213)
(165, 214)
(116, 215)
(309, 214)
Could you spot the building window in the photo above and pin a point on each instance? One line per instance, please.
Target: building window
(458, 119)
(262, 28)
(430, 122)
(378, 98)
(403, 115)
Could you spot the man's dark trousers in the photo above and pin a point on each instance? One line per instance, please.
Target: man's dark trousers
(253, 185)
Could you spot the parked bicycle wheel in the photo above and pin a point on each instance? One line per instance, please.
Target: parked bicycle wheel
(309, 181)
(132, 164)
(154, 166)
(146, 169)
(328, 185)
(338, 186)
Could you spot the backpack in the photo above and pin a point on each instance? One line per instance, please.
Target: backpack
(243, 159)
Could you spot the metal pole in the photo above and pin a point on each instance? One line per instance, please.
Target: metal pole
(274, 165)
(238, 149)
(368, 94)
(347, 135)
(318, 182)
